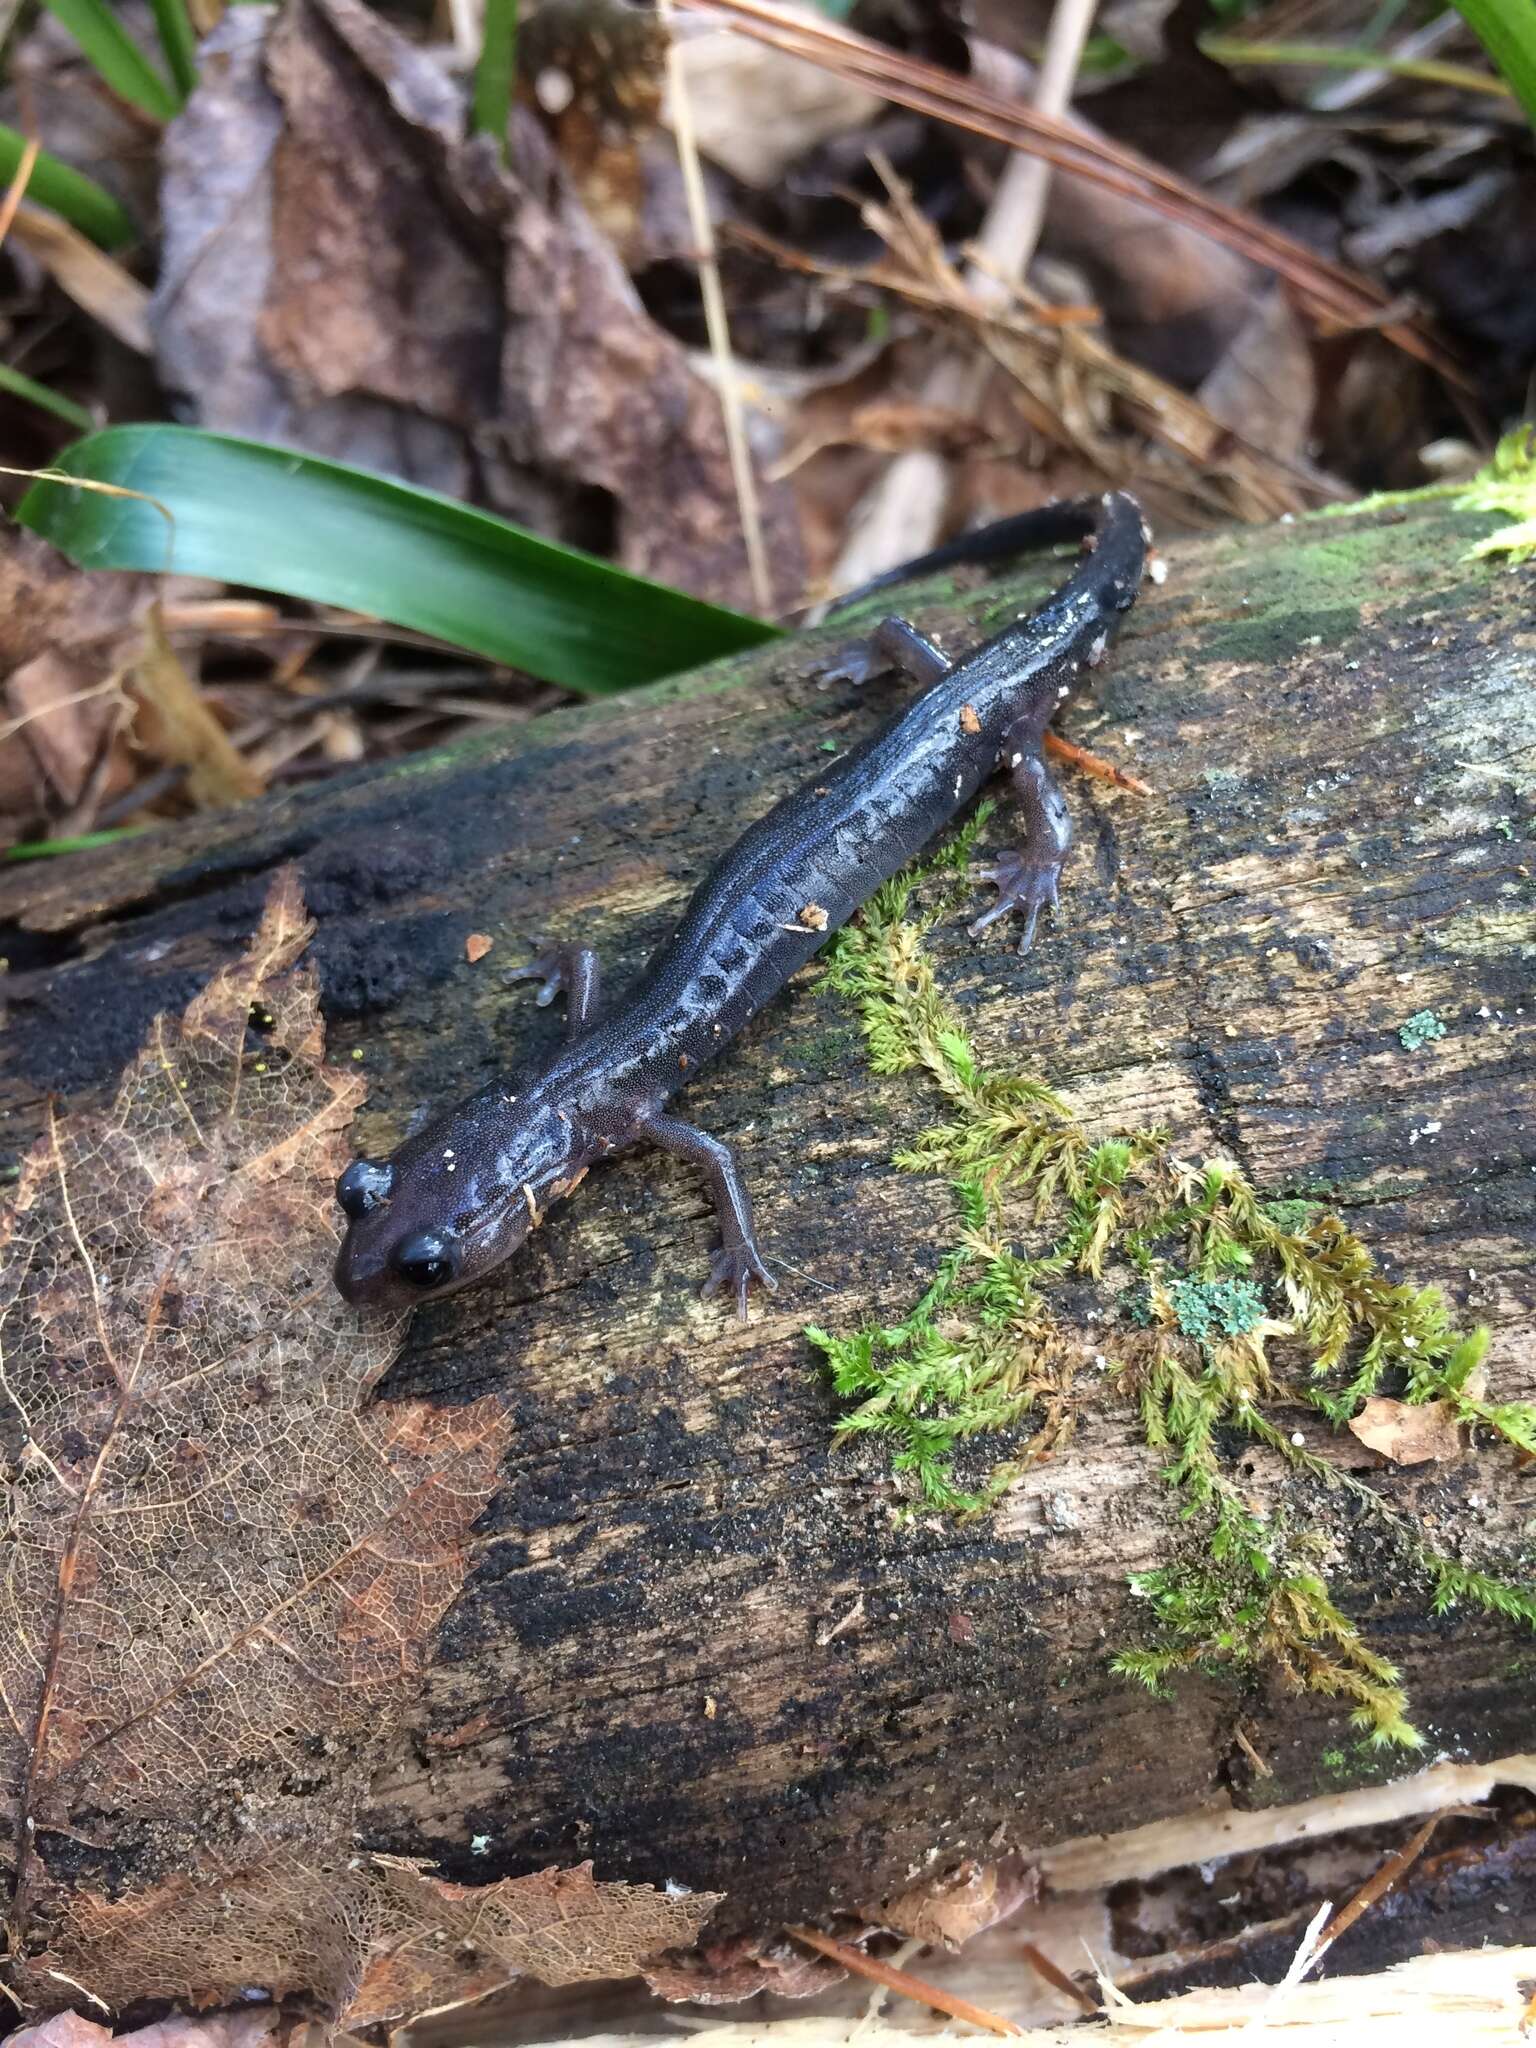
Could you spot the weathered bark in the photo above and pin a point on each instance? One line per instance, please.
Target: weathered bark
(647, 1665)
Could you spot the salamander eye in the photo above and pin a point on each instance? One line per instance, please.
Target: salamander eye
(424, 1260)
(365, 1184)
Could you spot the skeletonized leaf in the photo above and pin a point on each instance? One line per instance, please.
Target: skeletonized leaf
(435, 1942)
(225, 1571)
(378, 1937)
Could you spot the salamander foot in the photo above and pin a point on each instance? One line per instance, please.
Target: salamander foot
(572, 969)
(733, 1268)
(553, 969)
(1023, 883)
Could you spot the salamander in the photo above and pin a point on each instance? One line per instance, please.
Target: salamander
(459, 1196)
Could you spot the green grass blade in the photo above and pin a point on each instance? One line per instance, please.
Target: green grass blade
(495, 68)
(178, 40)
(278, 521)
(70, 194)
(48, 849)
(50, 401)
(1507, 31)
(1237, 51)
(116, 57)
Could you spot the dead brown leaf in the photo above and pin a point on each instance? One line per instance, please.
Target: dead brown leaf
(597, 69)
(757, 110)
(176, 727)
(225, 1570)
(947, 1911)
(491, 332)
(594, 393)
(380, 1937)
(64, 639)
(725, 1973)
(46, 602)
(63, 713)
(281, 310)
(96, 282)
(1263, 386)
(1408, 1433)
(476, 946)
(263, 2026)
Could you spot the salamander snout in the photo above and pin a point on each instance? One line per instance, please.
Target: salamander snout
(450, 1203)
(365, 1184)
(384, 1262)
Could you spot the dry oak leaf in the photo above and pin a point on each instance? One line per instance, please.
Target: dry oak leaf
(948, 1911)
(1409, 1433)
(224, 1571)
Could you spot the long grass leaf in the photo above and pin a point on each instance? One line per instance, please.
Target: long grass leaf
(178, 40)
(39, 395)
(1236, 51)
(116, 57)
(491, 105)
(68, 193)
(274, 520)
(1507, 31)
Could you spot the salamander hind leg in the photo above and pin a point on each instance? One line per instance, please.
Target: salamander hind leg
(573, 969)
(1028, 878)
(737, 1262)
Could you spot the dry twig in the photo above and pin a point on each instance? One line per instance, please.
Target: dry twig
(903, 1981)
(1331, 288)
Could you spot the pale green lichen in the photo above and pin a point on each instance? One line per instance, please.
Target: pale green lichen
(1419, 1029)
(1219, 1277)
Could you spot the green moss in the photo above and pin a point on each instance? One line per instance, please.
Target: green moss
(1220, 1277)
(1506, 486)
(1274, 633)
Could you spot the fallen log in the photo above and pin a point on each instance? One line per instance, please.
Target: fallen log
(701, 1642)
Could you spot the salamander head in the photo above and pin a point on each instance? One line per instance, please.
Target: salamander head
(452, 1202)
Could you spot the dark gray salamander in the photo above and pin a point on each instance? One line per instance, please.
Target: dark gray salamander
(459, 1196)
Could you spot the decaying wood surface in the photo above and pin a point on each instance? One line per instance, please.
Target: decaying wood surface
(698, 1644)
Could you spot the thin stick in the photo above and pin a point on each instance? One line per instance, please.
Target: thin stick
(903, 1981)
(1056, 1977)
(964, 102)
(16, 190)
(1017, 212)
(1095, 764)
(1243, 1743)
(716, 321)
(1377, 1885)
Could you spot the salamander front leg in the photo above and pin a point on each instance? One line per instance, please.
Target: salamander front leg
(1027, 879)
(895, 643)
(738, 1262)
(574, 969)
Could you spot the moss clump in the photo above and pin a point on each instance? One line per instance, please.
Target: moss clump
(1218, 1277)
(1506, 485)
